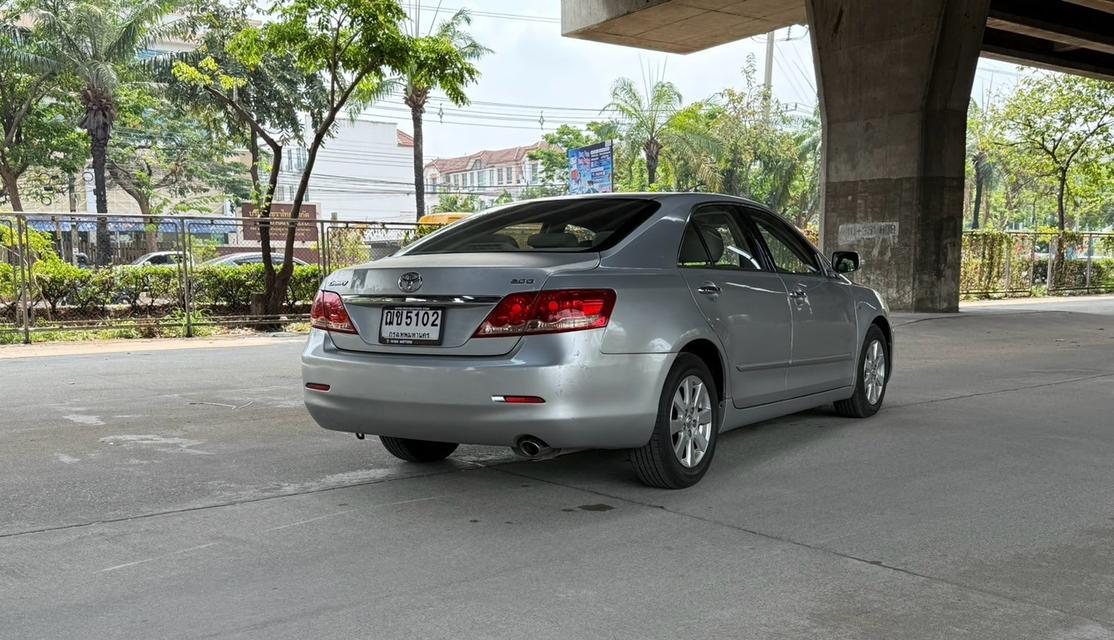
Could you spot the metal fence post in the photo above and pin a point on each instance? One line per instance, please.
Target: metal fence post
(23, 243)
(1050, 271)
(187, 280)
(1090, 253)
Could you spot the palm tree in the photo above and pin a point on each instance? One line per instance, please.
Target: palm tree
(441, 59)
(97, 42)
(644, 116)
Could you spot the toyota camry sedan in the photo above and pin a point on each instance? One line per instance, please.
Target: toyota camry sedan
(650, 322)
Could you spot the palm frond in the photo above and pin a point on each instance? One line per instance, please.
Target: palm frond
(142, 26)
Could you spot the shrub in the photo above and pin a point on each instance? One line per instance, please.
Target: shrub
(94, 291)
(156, 282)
(57, 280)
(304, 284)
(9, 289)
(227, 285)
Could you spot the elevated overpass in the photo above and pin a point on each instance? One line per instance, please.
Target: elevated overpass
(894, 79)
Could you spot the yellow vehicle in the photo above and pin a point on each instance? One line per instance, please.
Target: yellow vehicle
(441, 219)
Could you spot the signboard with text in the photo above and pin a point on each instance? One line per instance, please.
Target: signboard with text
(590, 168)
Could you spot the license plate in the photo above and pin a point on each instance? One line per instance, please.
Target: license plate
(411, 325)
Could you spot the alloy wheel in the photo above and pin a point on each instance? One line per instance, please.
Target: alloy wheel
(690, 421)
(874, 372)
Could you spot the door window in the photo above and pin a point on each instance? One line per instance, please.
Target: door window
(786, 249)
(714, 239)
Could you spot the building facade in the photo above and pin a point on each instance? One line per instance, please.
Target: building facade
(485, 174)
(364, 172)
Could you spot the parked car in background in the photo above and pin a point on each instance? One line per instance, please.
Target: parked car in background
(160, 259)
(240, 259)
(645, 322)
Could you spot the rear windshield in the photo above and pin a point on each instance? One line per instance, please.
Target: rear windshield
(565, 226)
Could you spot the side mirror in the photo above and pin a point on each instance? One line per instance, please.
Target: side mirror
(845, 261)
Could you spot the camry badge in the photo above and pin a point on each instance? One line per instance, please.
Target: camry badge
(410, 281)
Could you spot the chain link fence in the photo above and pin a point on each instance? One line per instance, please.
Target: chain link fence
(1025, 263)
(168, 276)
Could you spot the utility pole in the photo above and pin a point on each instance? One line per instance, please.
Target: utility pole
(768, 78)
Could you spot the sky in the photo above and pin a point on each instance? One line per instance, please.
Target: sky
(535, 79)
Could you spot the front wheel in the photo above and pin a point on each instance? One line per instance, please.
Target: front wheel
(871, 377)
(680, 450)
(417, 450)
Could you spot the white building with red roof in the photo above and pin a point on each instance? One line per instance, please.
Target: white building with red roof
(486, 174)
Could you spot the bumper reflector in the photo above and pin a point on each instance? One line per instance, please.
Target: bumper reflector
(518, 399)
(317, 386)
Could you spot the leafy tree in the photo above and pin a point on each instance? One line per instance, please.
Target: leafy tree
(1063, 124)
(442, 60)
(168, 160)
(553, 158)
(99, 44)
(37, 115)
(450, 203)
(348, 48)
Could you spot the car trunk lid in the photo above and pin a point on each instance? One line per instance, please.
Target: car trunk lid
(465, 287)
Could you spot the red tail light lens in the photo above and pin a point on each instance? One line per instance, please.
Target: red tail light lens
(328, 313)
(548, 312)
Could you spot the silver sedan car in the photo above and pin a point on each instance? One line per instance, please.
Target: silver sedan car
(649, 322)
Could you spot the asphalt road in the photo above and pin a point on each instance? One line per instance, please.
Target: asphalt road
(187, 494)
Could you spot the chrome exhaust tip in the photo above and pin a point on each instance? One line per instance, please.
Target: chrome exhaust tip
(533, 448)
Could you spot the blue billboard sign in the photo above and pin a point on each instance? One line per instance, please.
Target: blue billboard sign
(590, 168)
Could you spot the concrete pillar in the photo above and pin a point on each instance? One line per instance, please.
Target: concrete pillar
(895, 80)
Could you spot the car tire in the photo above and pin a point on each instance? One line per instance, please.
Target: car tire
(867, 373)
(417, 450)
(661, 461)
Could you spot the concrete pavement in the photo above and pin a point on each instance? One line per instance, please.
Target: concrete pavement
(186, 494)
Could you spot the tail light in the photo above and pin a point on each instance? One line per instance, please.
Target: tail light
(548, 312)
(328, 313)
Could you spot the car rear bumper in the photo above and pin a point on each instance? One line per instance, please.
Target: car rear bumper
(591, 399)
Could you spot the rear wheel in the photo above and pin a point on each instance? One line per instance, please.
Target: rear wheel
(684, 438)
(417, 450)
(872, 375)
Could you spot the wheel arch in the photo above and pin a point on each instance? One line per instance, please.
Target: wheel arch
(707, 351)
(883, 323)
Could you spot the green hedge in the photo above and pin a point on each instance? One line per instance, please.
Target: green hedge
(59, 284)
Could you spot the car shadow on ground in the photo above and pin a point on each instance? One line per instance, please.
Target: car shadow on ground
(738, 451)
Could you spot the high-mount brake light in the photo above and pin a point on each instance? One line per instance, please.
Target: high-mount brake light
(555, 311)
(328, 313)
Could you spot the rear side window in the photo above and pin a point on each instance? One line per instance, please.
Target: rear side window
(559, 226)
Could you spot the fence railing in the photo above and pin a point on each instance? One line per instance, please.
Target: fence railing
(176, 276)
(1026, 263)
(201, 271)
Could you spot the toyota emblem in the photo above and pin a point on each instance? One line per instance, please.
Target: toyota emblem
(410, 281)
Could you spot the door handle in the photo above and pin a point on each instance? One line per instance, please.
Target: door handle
(709, 289)
(798, 295)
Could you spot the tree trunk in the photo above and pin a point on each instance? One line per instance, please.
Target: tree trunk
(419, 169)
(1063, 186)
(416, 99)
(652, 149)
(99, 148)
(11, 187)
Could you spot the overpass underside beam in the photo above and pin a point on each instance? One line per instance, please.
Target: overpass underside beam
(895, 80)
